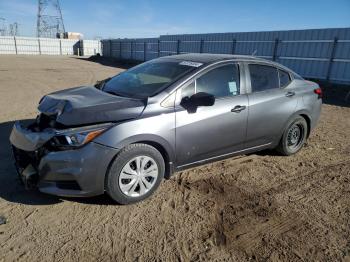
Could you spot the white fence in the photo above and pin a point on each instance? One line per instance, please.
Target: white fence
(90, 47)
(48, 46)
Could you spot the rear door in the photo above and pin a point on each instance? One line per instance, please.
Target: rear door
(216, 130)
(271, 102)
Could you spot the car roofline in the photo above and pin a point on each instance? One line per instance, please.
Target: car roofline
(212, 58)
(205, 66)
(233, 58)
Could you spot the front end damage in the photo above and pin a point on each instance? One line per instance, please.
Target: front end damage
(45, 159)
(57, 152)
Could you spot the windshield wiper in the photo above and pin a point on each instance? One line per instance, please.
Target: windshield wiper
(102, 83)
(116, 93)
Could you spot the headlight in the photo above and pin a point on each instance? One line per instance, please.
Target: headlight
(77, 137)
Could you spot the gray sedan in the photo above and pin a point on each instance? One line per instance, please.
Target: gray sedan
(126, 133)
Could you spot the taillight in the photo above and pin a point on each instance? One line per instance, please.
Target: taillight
(318, 92)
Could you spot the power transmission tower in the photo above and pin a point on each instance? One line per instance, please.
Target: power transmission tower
(2, 26)
(50, 21)
(14, 29)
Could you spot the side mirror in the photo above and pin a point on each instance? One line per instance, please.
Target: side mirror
(203, 99)
(196, 100)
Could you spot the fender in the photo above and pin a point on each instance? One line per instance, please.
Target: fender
(151, 138)
(294, 115)
(158, 142)
(130, 132)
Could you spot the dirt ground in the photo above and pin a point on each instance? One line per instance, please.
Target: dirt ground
(259, 207)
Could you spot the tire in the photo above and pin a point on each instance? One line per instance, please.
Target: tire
(294, 137)
(135, 173)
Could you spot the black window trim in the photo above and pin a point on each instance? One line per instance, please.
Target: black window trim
(241, 63)
(210, 68)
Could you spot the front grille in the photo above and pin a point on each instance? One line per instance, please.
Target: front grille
(24, 158)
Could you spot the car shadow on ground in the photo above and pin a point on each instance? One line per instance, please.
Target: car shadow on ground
(107, 61)
(11, 188)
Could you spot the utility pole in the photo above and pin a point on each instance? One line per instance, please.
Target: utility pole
(50, 20)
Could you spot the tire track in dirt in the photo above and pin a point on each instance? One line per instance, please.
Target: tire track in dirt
(261, 207)
(247, 234)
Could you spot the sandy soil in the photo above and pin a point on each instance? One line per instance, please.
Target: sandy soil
(259, 207)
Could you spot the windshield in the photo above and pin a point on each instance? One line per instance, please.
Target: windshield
(146, 79)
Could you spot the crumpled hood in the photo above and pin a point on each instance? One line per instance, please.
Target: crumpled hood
(89, 105)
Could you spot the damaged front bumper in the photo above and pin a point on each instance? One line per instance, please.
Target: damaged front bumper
(74, 172)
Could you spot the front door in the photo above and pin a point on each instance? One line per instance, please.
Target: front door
(216, 130)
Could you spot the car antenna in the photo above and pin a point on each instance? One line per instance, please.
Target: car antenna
(255, 52)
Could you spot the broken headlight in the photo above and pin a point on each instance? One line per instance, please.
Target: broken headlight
(77, 137)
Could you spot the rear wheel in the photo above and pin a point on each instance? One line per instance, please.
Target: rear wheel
(135, 173)
(294, 137)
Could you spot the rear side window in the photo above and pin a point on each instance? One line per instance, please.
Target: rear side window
(221, 82)
(284, 78)
(263, 77)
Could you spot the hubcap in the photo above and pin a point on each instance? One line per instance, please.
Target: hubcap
(295, 136)
(138, 176)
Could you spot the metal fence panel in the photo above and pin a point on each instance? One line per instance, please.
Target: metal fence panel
(306, 68)
(90, 47)
(69, 46)
(27, 45)
(340, 72)
(313, 53)
(50, 46)
(47, 46)
(7, 45)
(342, 50)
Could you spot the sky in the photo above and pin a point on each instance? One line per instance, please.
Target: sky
(151, 18)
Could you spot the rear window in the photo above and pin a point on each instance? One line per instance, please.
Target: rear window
(284, 78)
(263, 77)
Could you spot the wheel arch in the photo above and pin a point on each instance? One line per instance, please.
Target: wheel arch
(163, 152)
(303, 113)
(308, 122)
(159, 143)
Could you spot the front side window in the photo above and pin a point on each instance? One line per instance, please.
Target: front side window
(263, 77)
(220, 82)
(146, 79)
(188, 90)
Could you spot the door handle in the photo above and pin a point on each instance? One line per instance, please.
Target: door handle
(290, 94)
(238, 109)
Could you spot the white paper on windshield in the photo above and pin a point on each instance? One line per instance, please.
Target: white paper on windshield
(190, 63)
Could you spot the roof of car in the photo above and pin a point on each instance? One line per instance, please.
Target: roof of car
(210, 58)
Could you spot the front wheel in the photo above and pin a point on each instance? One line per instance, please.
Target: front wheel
(294, 137)
(135, 173)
